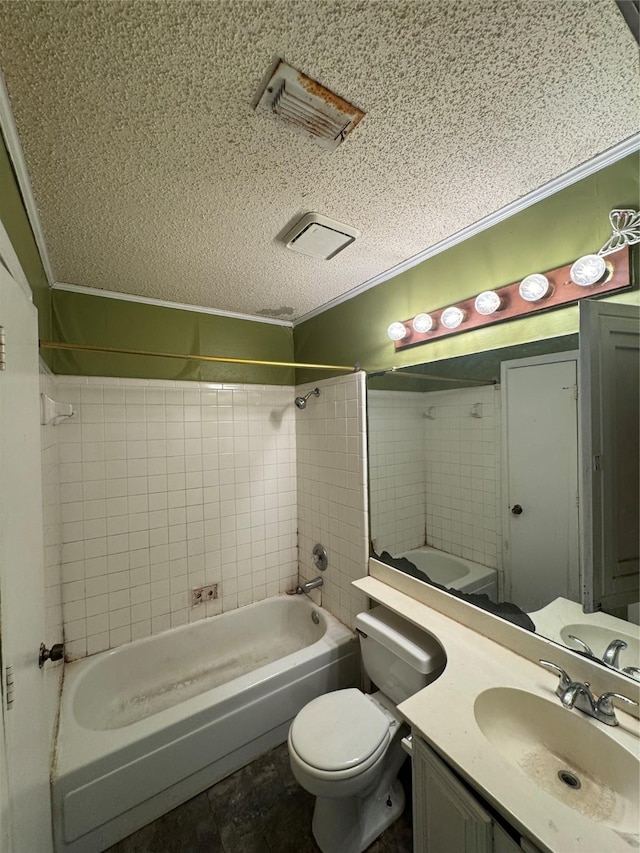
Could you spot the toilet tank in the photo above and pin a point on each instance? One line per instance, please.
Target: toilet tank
(397, 656)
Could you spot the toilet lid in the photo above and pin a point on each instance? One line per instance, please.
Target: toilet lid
(339, 730)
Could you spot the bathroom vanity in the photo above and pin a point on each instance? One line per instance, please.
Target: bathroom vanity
(498, 763)
(449, 815)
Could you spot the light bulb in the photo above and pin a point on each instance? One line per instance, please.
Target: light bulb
(397, 331)
(488, 302)
(534, 287)
(452, 317)
(587, 270)
(422, 323)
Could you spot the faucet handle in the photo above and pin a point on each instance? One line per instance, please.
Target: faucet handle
(633, 671)
(565, 678)
(606, 709)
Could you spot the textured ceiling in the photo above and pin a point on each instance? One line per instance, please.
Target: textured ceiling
(153, 175)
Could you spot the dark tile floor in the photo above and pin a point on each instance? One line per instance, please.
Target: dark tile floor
(259, 809)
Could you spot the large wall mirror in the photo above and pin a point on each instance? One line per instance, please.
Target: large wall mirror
(513, 473)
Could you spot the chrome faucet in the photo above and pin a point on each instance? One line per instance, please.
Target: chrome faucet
(577, 694)
(612, 653)
(611, 656)
(309, 585)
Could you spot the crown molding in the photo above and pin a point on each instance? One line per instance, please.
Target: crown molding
(607, 158)
(163, 303)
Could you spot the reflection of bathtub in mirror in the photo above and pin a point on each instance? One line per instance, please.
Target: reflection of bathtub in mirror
(454, 572)
(562, 618)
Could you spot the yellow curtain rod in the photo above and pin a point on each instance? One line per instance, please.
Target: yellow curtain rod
(118, 351)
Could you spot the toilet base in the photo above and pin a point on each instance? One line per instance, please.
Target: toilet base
(351, 824)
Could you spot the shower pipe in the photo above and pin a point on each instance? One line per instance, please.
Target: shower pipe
(118, 351)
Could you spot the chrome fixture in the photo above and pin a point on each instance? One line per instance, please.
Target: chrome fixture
(577, 694)
(56, 652)
(633, 671)
(301, 402)
(320, 558)
(611, 656)
(309, 585)
(612, 653)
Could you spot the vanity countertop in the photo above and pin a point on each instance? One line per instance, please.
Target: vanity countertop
(444, 714)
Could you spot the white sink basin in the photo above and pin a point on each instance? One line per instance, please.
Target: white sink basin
(570, 757)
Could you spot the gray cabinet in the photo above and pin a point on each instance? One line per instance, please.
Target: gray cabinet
(446, 814)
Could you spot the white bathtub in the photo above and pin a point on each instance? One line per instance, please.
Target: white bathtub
(148, 725)
(454, 572)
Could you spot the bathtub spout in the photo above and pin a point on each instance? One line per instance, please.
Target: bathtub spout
(306, 587)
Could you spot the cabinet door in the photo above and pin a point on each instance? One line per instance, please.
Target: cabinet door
(503, 843)
(446, 816)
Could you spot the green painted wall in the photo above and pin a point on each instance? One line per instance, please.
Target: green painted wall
(100, 321)
(549, 234)
(16, 223)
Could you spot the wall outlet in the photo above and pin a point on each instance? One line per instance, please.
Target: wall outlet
(204, 593)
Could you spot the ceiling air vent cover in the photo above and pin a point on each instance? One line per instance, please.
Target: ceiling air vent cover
(319, 236)
(308, 107)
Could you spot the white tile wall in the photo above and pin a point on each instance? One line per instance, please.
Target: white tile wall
(166, 486)
(453, 479)
(463, 474)
(397, 470)
(332, 488)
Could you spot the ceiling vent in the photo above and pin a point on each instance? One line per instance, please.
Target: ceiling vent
(319, 236)
(306, 106)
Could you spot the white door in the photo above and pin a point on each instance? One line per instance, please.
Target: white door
(540, 496)
(22, 574)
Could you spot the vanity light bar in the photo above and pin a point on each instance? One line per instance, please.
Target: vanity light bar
(534, 293)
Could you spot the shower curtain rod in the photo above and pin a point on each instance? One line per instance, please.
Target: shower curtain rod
(215, 358)
(399, 372)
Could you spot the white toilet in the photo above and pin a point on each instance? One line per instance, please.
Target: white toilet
(345, 747)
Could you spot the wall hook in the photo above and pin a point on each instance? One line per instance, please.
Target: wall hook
(476, 410)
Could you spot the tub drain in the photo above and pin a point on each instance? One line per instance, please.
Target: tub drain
(569, 779)
(315, 618)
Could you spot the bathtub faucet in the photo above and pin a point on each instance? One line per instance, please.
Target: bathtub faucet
(309, 585)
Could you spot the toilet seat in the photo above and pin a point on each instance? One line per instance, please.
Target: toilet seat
(330, 751)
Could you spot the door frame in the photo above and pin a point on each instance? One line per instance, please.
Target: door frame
(505, 367)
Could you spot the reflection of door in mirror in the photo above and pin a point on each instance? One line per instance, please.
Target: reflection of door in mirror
(610, 368)
(540, 480)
